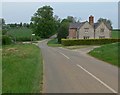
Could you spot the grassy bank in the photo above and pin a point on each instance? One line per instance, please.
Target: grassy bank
(108, 53)
(22, 69)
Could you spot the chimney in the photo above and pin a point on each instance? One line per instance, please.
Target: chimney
(91, 20)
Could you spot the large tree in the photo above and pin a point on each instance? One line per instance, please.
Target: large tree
(44, 22)
(63, 30)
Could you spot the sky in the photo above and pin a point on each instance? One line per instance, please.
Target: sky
(16, 12)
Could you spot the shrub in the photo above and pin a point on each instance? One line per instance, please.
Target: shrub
(20, 39)
(71, 42)
(4, 31)
(6, 40)
(37, 38)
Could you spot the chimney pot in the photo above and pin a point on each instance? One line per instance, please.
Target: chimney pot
(91, 20)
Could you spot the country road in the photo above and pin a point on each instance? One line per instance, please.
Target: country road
(68, 71)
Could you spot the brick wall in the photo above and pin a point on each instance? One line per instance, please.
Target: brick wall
(72, 33)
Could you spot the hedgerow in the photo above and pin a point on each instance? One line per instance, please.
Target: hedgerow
(72, 42)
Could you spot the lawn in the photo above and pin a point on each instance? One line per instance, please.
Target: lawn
(22, 33)
(116, 34)
(108, 53)
(22, 69)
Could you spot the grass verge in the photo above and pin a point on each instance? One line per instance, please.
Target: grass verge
(77, 47)
(54, 43)
(108, 53)
(22, 69)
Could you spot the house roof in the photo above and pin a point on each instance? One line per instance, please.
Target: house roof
(96, 25)
(76, 25)
(107, 25)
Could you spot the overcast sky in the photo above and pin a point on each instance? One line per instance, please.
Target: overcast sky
(16, 12)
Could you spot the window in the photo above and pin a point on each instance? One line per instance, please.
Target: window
(86, 30)
(101, 37)
(102, 30)
(86, 37)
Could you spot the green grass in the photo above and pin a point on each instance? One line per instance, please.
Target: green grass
(77, 47)
(21, 33)
(108, 53)
(53, 43)
(0, 70)
(116, 34)
(22, 69)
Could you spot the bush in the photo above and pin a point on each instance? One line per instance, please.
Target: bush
(36, 38)
(23, 39)
(71, 42)
(4, 31)
(6, 40)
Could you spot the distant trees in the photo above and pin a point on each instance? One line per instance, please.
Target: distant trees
(15, 25)
(44, 24)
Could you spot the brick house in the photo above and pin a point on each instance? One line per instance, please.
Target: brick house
(89, 30)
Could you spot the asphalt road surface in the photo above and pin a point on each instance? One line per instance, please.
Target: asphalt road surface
(69, 71)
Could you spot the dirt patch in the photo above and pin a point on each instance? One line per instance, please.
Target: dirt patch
(12, 49)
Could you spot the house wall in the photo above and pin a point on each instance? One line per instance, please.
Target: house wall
(72, 33)
(106, 33)
(90, 32)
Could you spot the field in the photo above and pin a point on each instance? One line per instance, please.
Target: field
(21, 34)
(22, 69)
(108, 53)
(116, 34)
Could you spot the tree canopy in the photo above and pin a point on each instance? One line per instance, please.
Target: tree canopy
(64, 27)
(43, 22)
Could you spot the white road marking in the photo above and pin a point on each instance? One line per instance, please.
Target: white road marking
(64, 55)
(97, 79)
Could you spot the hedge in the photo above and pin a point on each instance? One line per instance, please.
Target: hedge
(21, 39)
(72, 42)
(6, 40)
